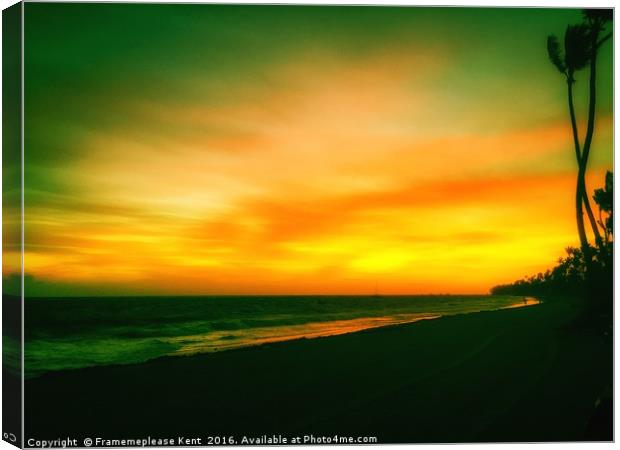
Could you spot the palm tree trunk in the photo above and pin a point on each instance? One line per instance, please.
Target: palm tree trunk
(588, 139)
(573, 120)
(581, 229)
(586, 203)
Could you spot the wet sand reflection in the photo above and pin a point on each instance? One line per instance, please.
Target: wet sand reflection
(232, 339)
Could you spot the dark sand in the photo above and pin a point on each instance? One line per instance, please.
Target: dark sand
(512, 375)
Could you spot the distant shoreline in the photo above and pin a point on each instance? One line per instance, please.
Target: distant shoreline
(160, 296)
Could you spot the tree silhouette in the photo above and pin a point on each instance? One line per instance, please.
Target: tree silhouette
(581, 45)
(596, 21)
(604, 198)
(575, 58)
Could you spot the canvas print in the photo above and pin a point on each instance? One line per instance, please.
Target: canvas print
(302, 224)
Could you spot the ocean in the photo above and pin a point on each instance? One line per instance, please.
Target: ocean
(72, 333)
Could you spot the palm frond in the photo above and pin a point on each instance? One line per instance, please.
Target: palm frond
(601, 15)
(555, 56)
(577, 46)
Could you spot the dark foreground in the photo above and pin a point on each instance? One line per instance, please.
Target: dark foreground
(511, 375)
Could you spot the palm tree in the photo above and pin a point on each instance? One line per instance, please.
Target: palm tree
(575, 57)
(581, 45)
(595, 21)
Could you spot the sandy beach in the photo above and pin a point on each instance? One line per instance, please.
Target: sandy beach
(520, 374)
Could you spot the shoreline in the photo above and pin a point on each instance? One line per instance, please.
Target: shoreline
(508, 375)
(327, 336)
(198, 345)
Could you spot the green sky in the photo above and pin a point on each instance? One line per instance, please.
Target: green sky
(84, 61)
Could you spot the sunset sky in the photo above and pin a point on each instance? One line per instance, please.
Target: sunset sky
(193, 149)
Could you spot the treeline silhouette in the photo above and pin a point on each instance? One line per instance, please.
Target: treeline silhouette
(574, 274)
(569, 276)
